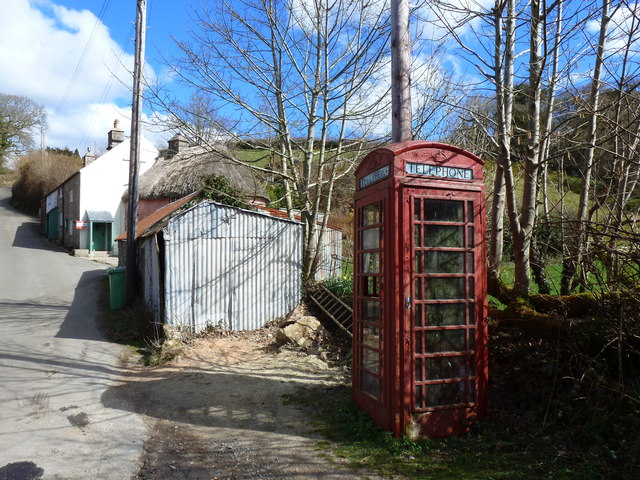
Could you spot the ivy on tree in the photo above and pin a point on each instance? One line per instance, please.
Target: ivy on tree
(219, 189)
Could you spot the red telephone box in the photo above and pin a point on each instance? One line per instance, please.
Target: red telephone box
(420, 329)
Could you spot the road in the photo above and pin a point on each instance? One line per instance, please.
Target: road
(55, 365)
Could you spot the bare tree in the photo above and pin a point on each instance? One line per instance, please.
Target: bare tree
(437, 96)
(504, 52)
(548, 115)
(574, 256)
(496, 61)
(495, 39)
(300, 81)
(202, 115)
(603, 225)
(19, 117)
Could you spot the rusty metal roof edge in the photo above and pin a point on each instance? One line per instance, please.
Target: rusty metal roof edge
(164, 211)
(161, 224)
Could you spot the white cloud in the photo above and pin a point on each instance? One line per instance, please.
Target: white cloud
(436, 18)
(624, 23)
(432, 91)
(41, 46)
(304, 13)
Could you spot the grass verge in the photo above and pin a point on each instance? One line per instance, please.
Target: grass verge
(134, 327)
(544, 422)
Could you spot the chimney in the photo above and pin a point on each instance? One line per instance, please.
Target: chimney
(116, 136)
(177, 144)
(88, 157)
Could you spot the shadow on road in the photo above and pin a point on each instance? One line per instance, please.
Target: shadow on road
(5, 201)
(21, 470)
(212, 399)
(36, 317)
(89, 300)
(28, 236)
(236, 422)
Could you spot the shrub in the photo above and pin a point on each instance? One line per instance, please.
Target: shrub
(219, 189)
(39, 174)
(340, 286)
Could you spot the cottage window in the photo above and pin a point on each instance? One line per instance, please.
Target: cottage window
(71, 196)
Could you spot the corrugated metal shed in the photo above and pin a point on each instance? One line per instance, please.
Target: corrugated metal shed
(329, 261)
(213, 264)
(149, 258)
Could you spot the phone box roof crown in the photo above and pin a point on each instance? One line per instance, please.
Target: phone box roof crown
(419, 160)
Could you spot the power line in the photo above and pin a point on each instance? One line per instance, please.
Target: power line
(107, 88)
(103, 10)
(105, 91)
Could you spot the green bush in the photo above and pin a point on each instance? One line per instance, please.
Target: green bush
(219, 189)
(340, 286)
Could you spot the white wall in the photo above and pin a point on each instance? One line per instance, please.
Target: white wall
(105, 180)
(51, 201)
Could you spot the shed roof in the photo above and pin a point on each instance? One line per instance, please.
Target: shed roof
(157, 226)
(274, 212)
(184, 173)
(162, 213)
(158, 219)
(99, 216)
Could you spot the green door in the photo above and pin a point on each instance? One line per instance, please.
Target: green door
(101, 235)
(52, 225)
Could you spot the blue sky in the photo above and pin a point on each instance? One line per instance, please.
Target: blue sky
(75, 57)
(72, 56)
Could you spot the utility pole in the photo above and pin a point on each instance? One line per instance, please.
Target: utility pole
(400, 72)
(42, 143)
(134, 155)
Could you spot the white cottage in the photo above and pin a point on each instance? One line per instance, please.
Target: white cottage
(87, 208)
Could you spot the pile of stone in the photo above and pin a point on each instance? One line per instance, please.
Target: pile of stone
(301, 328)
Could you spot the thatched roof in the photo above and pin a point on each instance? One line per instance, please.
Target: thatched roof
(184, 173)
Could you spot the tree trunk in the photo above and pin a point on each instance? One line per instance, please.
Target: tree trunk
(496, 247)
(582, 238)
(504, 77)
(538, 265)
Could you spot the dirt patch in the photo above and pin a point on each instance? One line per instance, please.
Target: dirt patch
(220, 410)
(79, 420)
